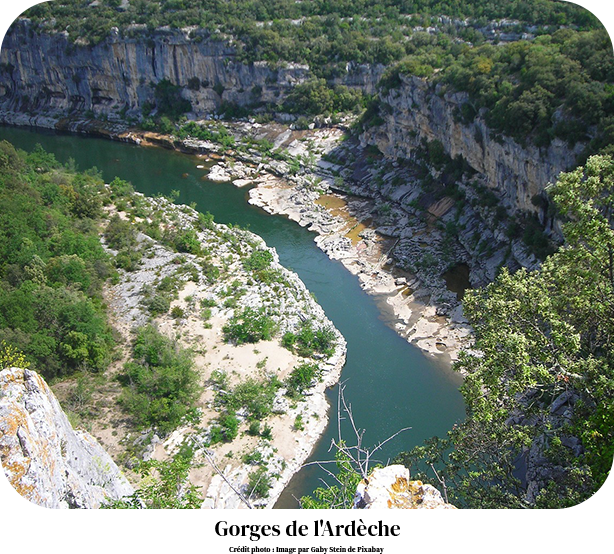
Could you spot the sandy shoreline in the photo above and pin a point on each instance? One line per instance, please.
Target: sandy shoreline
(289, 444)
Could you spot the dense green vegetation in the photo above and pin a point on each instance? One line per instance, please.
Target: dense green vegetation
(308, 341)
(321, 33)
(543, 372)
(558, 85)
(52, 265)
(164, 486)
(302, 378)
(249, 325)
(161, 383)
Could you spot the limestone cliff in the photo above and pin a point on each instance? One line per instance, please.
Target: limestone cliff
(416, 110)
(390, 487)
(44, 459)
(48, 72)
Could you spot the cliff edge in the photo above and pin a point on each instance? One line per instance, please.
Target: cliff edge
(43, 458)
(390, 487)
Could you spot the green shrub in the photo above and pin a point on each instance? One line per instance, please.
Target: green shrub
(254, 396)
(161, 385)
(159, 304)
(259, 483)
(169, 101)
(258, 260)
(249, 326)
(302, 378)
(253, 458)
(308, 341)
(188, 241)
(254, 428)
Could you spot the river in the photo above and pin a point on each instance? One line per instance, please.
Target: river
(390, 384)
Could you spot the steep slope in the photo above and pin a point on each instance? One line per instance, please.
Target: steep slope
(417, 111)
(44, 459)
(121, 74)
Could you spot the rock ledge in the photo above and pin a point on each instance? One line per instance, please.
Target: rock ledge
(43, 458)
(390, 487)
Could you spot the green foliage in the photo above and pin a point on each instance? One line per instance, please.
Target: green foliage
(253, 458)
(540, 337)
(161, 384)
(256, 397)
(121, 236)
(52, 265)
(302, 378)
(307, 341)
(249, 326)
(534, 91)
(259, 483)
(164, 485)
(340, 495)
(188, 241)
(11, 357)
(316, 97)
(330, 34)
(227, 430)
(258, 260)
(214, 132)
(169, 101)
(120, 233)
(159, 304)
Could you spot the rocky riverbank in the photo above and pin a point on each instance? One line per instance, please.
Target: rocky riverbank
(203, 302)
(352, 224)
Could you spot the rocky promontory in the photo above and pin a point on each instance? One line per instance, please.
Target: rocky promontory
(390, 487)
(43, 457)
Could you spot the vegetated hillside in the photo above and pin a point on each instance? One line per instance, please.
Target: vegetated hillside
(52, 264)
(539, 383)
(212, 339)
(323, 34)
(558, 85)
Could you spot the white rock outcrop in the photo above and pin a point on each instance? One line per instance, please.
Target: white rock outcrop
(514, 172)
(43, 458)
(390, 487)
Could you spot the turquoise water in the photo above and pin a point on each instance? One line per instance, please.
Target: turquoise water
(389, 383)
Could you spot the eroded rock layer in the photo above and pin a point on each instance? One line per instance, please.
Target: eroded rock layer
(43, 458)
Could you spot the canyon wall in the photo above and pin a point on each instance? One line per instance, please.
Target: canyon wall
(48, 72)
(417, 110)
(43, 458)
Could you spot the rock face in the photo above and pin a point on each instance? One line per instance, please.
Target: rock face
(416, 111)
(44, 459)
(49, 72)
(390, 487)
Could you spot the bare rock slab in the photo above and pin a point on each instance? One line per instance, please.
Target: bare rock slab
(44, 459)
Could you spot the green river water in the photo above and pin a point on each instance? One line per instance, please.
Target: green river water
(389, 383)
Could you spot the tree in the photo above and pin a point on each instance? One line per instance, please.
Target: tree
(164, 485)
(353, 463)
(539, 382)
(161, 383)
